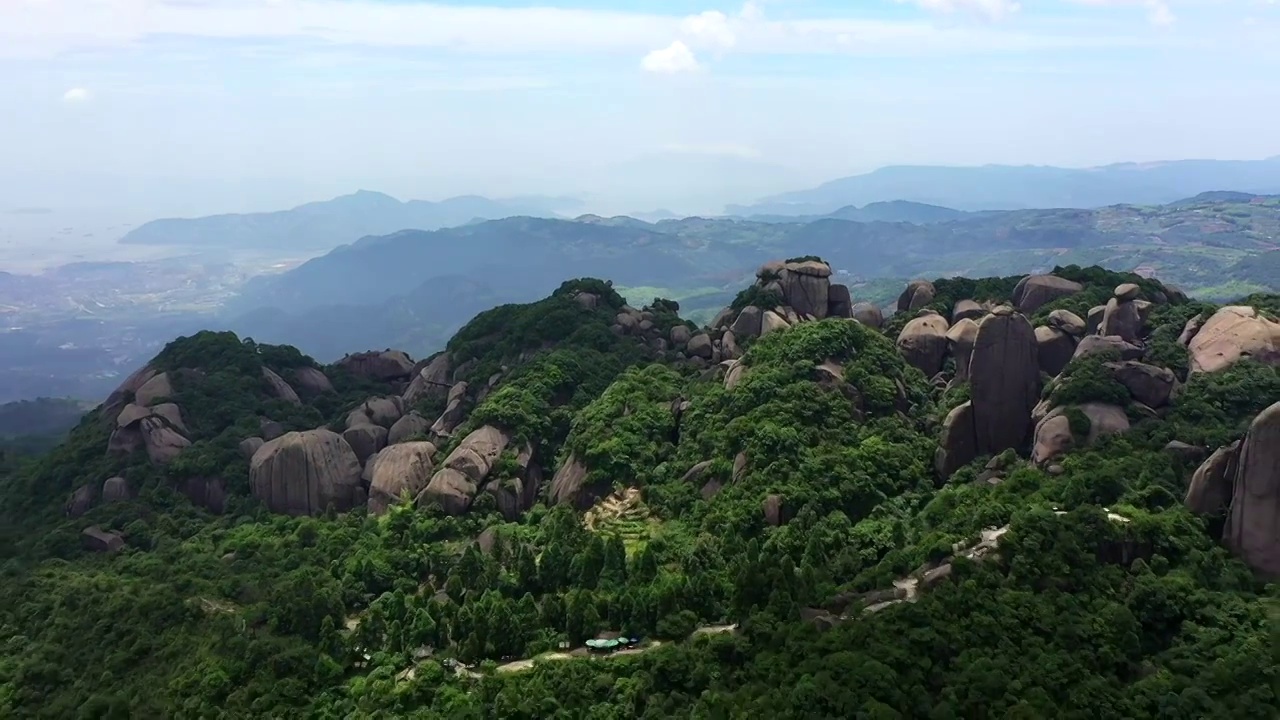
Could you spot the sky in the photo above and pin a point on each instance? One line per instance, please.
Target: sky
(186, 107)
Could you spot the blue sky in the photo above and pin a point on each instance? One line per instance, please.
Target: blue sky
(184, 106)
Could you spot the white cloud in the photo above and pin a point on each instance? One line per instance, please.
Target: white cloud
(993, 9)
(52, 27)
(670, 60)
(75, 95)
(710, 28)
(1158, 11)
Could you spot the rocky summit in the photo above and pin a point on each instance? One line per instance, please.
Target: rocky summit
(1052, 495)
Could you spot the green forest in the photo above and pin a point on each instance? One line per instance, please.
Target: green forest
(769, 525)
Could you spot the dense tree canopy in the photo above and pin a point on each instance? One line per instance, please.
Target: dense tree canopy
(1106, 598)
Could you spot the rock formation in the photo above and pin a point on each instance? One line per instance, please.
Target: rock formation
(1122, 317)
(279, 388)
(957, 446)
(1094, 344)
(115, 489)
(1210, 490)
(1054, 349)
(1068, 322)
(412, 424)
(95, 539)
(962, 337)
(918, 294)
(923, 343)
(157, 388)
(399, 470)
(868, 314)
(311, 382)
(1004, 374)
(433, 379)
(302, 473)
(385, 365)
(365, 440)
(454, 412)
(806, 287)
(1033, 291)
(1232, 333)
(455, 484)
(1253, 523)
(1148, 384)
(967, 310)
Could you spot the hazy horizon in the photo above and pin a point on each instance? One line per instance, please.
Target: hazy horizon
(154, 108)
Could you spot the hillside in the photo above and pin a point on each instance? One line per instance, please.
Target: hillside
(1005, 187)
(1041, 496)
(387, 290)
(327, 224)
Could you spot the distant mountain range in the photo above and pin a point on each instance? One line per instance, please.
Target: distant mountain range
(1005, 187)
(412, 289)
(325, 225)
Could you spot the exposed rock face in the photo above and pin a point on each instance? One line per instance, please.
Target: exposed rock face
(1034, 291)
(122, 395)
(311, 382)
(432, 380)
(918, 294)
(1068, 322)
(249, 447)
(729, 346)
(967, 310)
(365, 440)
(1232, 333)
(455, 484)
(80, 502)
(734, 375)
(773, 510)
(270, 429)
(398, 470)
(680, 335)
(806, 286)
(1121, 319)
(1148, 384)
(156, 388)
(1104, 420)
(694, 474)
(1004, 373)
(700, 346)
(1190, 330)
(772, 321)
(1127, 292)
(209, 493)
(868, 314)
(958, 445)
(1053, 438)
(383, 412)
(302, 473)
(962, 337)
(1094, 319)
(747, 324)
(115, 490)
(162, 442)
(382, 365)
(1210, 490)
(131, 414)
(95, 539)
(1054, 349)
(1094, 344)
(279, 388)
(454, 413)
(923, 343)
(1253, 524)
(740, 468)
(569, 485)
(839, 301)
(407, 427)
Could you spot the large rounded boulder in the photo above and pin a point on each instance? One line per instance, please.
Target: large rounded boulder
(1004, 374)
(923, 343)
(399, 471)
(1034, 291)
(302, 473)
(1233, 333)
